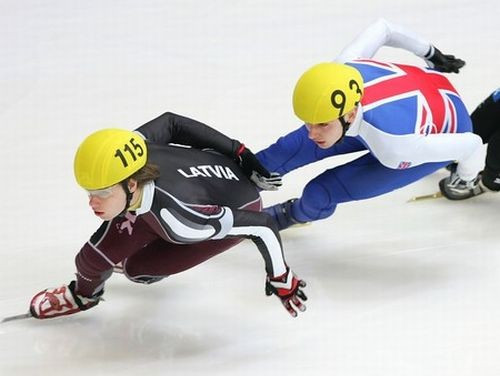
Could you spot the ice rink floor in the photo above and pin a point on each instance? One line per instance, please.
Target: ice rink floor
(395, 288)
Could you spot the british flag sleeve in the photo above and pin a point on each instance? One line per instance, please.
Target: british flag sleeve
(411, 115)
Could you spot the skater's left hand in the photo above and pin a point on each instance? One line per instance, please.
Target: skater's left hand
(288, 288)
(444, 63)
(256, 172)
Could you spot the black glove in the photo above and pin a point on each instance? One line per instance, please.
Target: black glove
(256, 172)
(288, 288)
(443, 63)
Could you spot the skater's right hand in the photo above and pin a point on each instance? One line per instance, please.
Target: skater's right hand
(61, 301)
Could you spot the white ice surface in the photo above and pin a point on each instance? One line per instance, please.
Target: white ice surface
(395, 288)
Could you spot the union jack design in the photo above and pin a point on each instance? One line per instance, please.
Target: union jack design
(413, 99)
(403, 165)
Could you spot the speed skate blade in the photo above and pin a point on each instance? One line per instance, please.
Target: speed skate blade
(426, 197)
(17, 317)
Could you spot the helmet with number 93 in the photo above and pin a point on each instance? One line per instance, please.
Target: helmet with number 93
(108, 157)
(327, 91)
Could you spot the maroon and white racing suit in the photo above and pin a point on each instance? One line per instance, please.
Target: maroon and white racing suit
(201, 205)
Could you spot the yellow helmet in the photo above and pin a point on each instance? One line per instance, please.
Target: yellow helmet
(107, 157)
(326, 92)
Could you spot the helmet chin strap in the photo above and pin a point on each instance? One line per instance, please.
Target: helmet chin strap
(128, 194)
(345, 127)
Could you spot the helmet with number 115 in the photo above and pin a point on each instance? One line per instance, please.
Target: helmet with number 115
(326, 92)
(108, 157)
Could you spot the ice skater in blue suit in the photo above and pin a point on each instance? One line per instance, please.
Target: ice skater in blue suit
(409, 120)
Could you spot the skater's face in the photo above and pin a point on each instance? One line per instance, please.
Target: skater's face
(325, 135)
(108, 203)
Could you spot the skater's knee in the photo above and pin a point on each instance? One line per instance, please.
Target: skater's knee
(140, 276)
(317, 202)
(145, 279)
